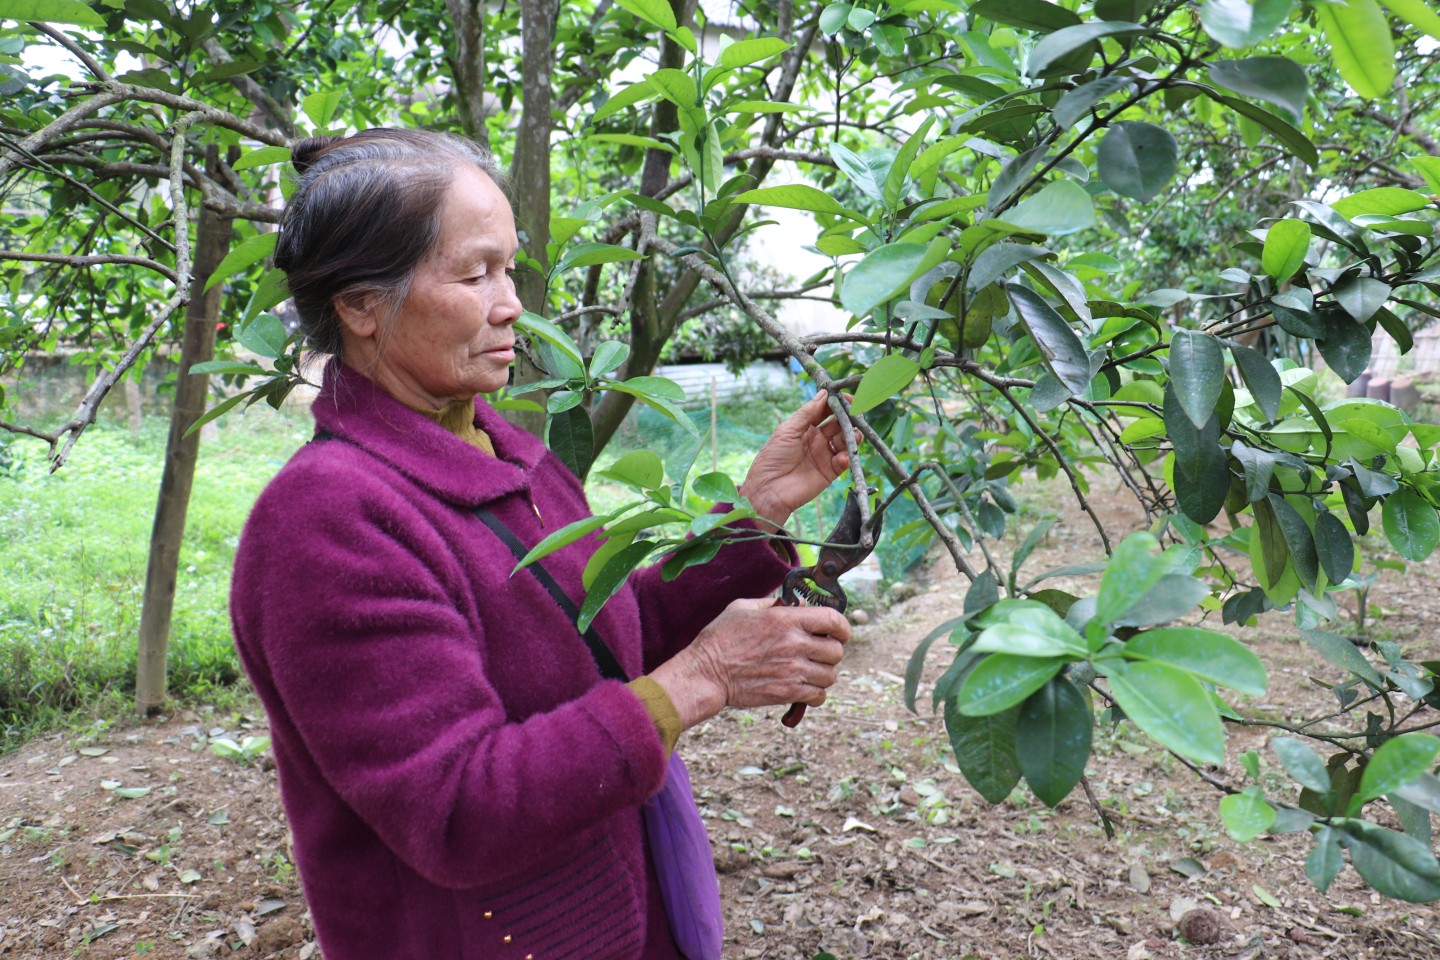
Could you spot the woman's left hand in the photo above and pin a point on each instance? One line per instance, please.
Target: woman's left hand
(801, 458)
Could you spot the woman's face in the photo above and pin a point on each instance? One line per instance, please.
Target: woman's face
(452, 337)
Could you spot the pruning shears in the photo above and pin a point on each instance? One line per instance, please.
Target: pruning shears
(819, 585)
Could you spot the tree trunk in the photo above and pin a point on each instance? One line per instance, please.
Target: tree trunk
(531, 176)
(213, 238)
(468, 18)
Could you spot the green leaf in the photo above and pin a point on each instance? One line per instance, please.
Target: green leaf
(1053, 739)
(593, 254)
(1334, 547)
(251, 251)
(534, 325)
(628, 97)
(1295, 141)
(1137, 159)
(132, 793)
(742, 53)
(1342, 653)
(1206, 654)
(1394, 864)
(272, 290)
(1260, 379)
(1389, 201)
(1238, 23)
(566, 535)
(1399, 761)
(321, 105)
(1060, 347)
(1361, 297)
(608, 356)
(1411, 524)
(641, 469)
(1360, 45)
(1286, 244)
(886, 378)
(51, 11)
(571, 437)
(265, 336)
(1245, 817)
(1302, 763)
(1076, 103)
(1025, 640)
(985, 749)
(1037, 16)
(1003, 680)
(1171, 706)
(1060, 208)
(916, 666)
(880, 275)
(1277, 80)
(1325, 860)
(655, 12)
(793, 196)
(1197, 371)
(227, 367)
(1054, 47)
(833, 18)
(216, 411)
(610, 579)
(262, 157)
(1133, 569)
(651, 388)
(1346, 345)
(1299, 541)
(894, 187)
(1418, 13)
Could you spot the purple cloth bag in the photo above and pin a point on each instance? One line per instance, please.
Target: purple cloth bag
(680, 850)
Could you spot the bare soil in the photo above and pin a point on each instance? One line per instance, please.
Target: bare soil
(853, 834)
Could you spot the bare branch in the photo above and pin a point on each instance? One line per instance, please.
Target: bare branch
(79, 53)
(93, 260)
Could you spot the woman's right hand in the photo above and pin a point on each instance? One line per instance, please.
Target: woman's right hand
(756, 654)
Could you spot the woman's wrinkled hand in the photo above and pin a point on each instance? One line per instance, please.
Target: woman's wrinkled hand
(756, 654)
(801, 458)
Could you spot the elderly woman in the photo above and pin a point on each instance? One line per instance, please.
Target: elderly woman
(460, 781)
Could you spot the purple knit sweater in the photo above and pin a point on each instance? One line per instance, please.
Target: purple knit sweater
(460, 782)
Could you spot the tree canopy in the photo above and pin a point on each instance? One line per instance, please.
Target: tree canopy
(1129, 236)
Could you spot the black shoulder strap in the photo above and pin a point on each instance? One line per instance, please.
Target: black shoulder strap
(610, 668)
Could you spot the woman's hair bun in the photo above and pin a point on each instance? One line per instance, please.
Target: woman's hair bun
(307, 151)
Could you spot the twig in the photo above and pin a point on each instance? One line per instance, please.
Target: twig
(92, 260)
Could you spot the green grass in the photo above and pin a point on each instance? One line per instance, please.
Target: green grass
(72, 568)
(72, 564)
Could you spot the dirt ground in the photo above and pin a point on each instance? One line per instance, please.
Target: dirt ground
(853, 834)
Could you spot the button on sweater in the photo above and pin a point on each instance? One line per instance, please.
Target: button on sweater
(459, 780)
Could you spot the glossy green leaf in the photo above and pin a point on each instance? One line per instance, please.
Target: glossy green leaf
(608, 356)
(566, 535)
(1132, 571)
(894, 187)
(1277, 80)
(1029, 640)
(1411, 524)
(1206, 654)
(594, 254)
(610, 579)
(1197, 371)
(794, 196)
(1390, 201)
(1286, 243)
(1394, 864)
(1325, 861)
(1061, 207)
(1360, 45)
(1260, 379)
(1060, 348)
(1361, 297)
(641, 469)
(1299, 541)
(1053, 739)
(51, 11)
(1418, 13)
(985, 749)
(883, 273)
(571, 437)
(624, 99)
(1346, 345)
(321, 105)
(1171, 706)
(534, 325)
(261, 157)
(1342, 653)
(1334, 547)
(742, 53)
(1174, 596)
(1302, 763)
(1284, 131)
(1245, 816)
(886, 378)
(1037, 16)
(1294, 310)
(654, 12)
(265, 336)
(1003, 680)
(916, 665)
(1239, 23)
(1076, 103)
(1137, 159)
(249, 252)
(1398, 761)
(272, 290)
(1056, 46)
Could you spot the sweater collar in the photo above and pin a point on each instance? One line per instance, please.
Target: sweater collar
(351, 407)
